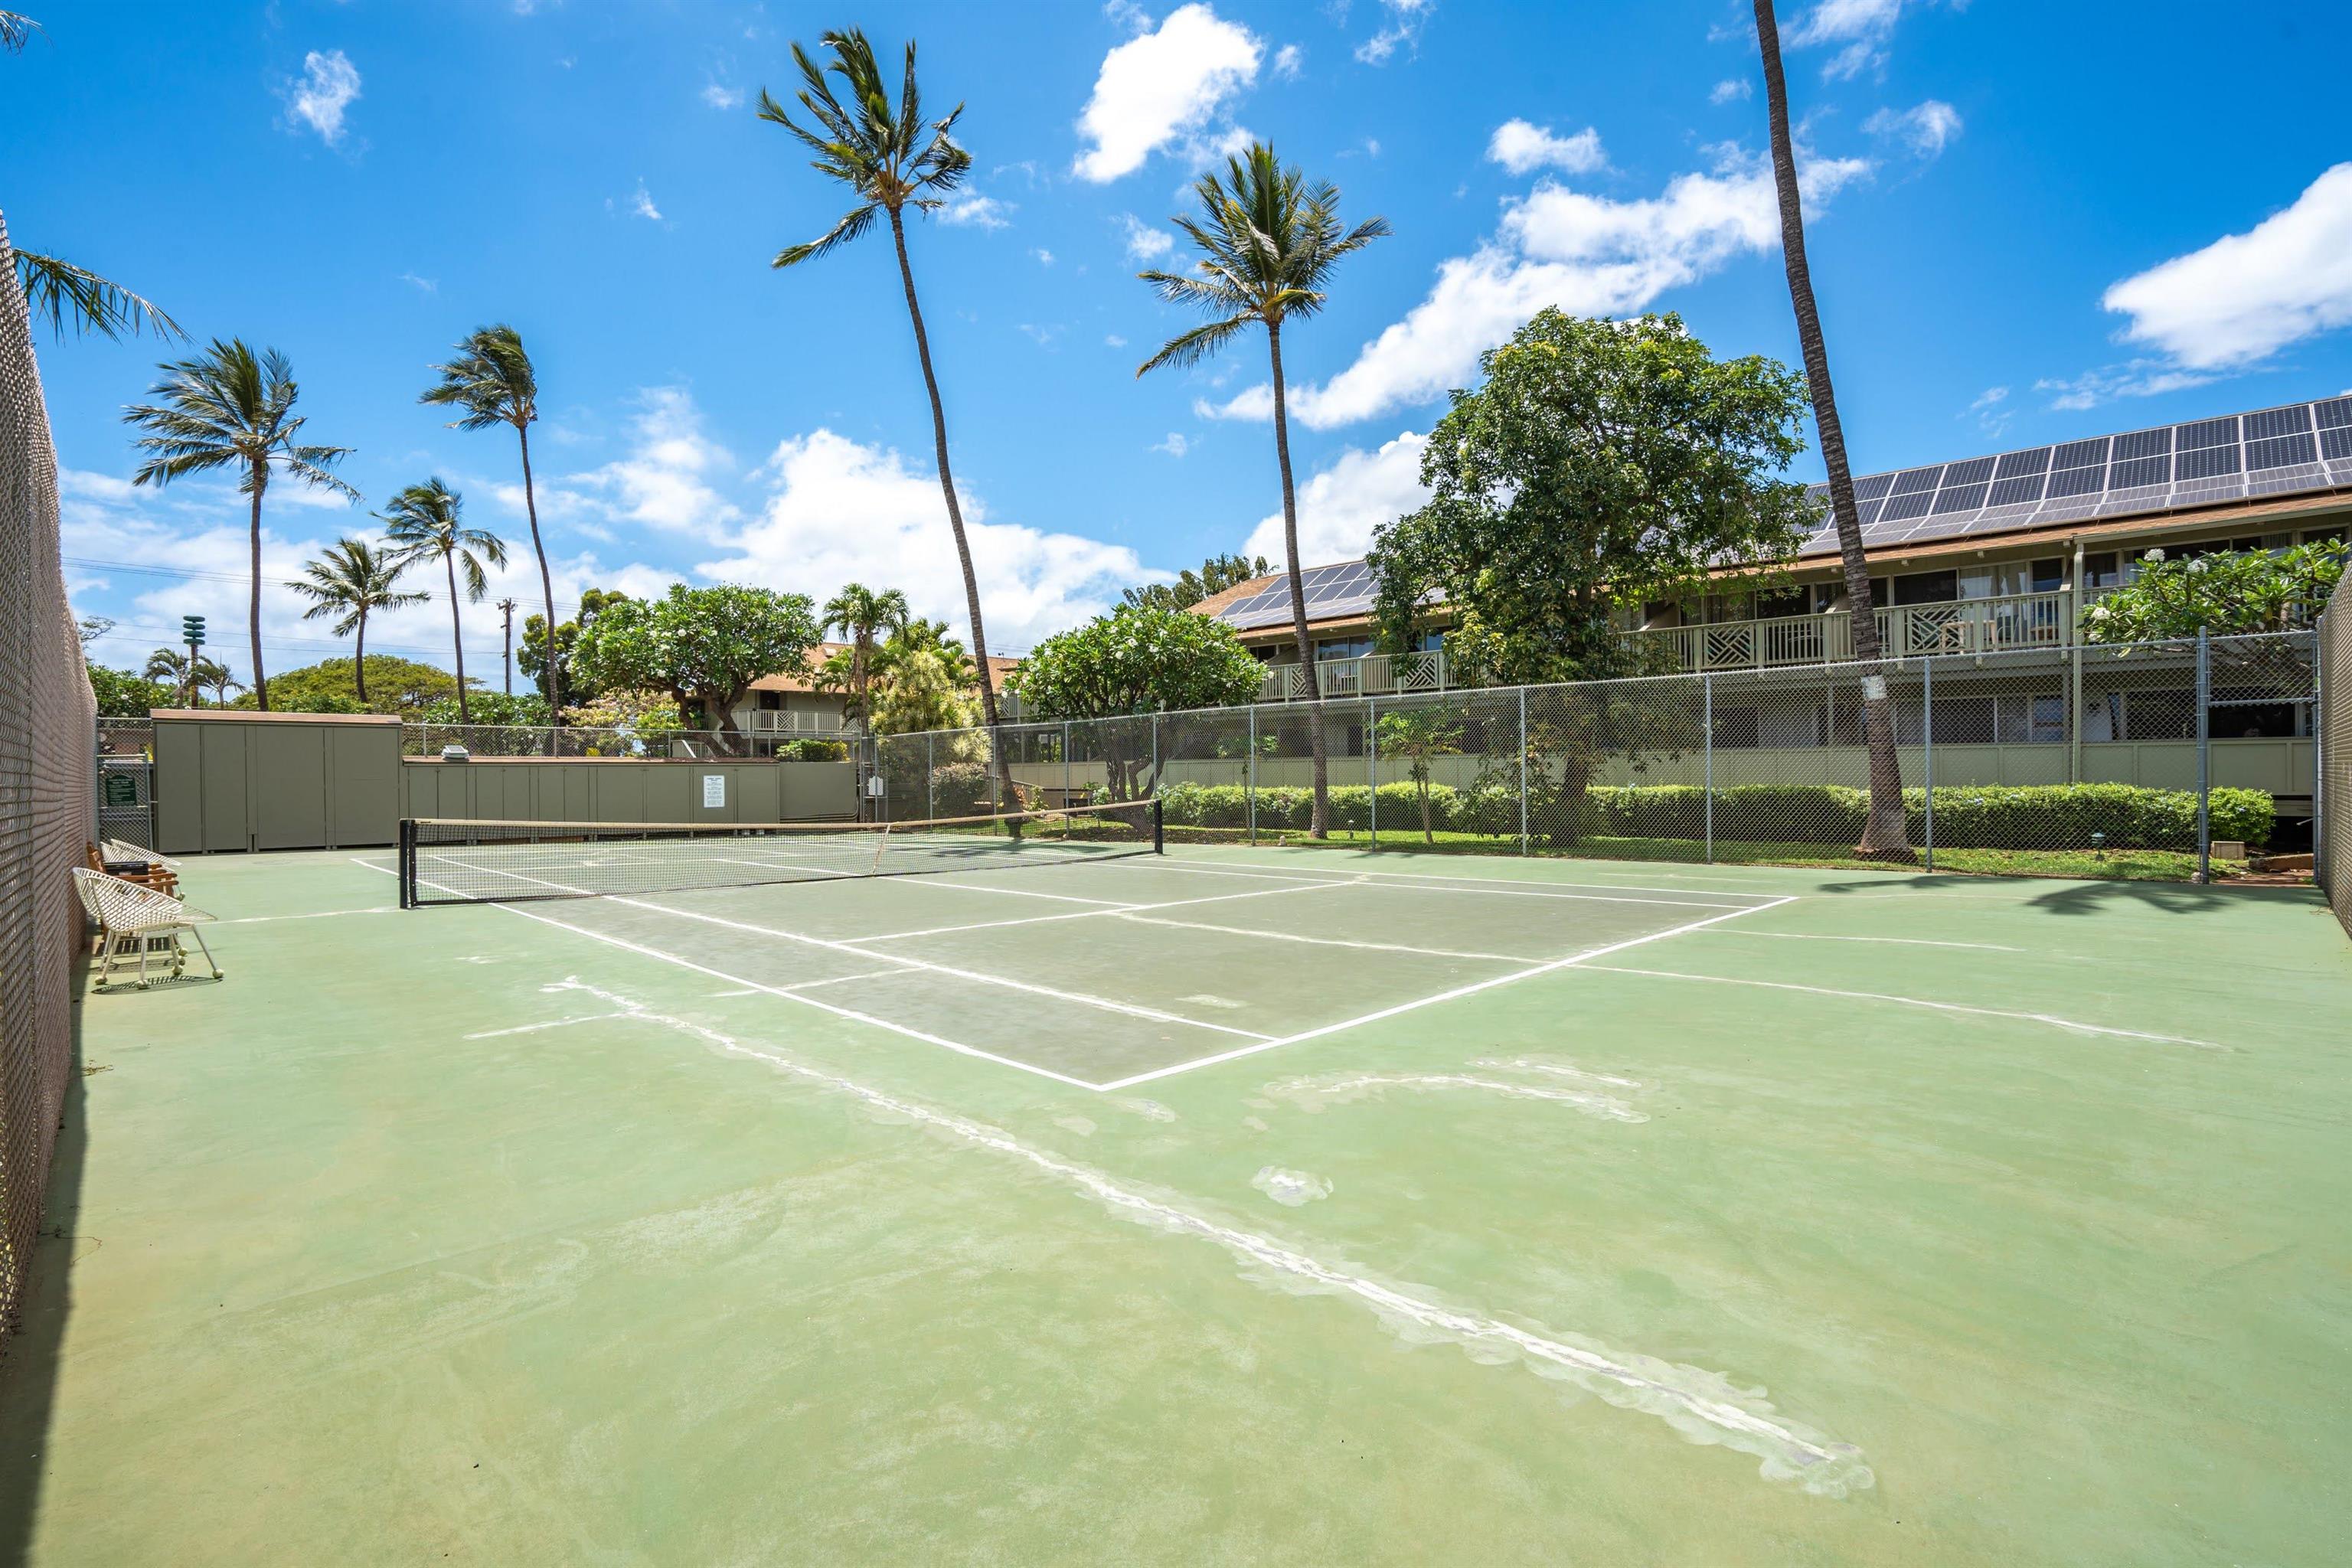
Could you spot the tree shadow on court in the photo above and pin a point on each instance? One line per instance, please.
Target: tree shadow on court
(2085, 898)
(29, 1354)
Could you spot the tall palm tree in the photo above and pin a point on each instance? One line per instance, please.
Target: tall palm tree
(492, 380)
(1884, 834)
(428, 519)
(861, 613)
(188, 675)
(890, 160)
(1268, 244)
(349, 581)
(230, 405)
(213, 677)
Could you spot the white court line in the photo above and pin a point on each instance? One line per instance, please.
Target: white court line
(838, 980)
(549, 1024)
(1458, 991)
(2070, 1024)
(1484, 887)
(314, 915)
(1324, 940)
(940, 881)
(1898, 941)
(1481, 884)
(851, 1014)
(1131, 1009)
(1097, 914)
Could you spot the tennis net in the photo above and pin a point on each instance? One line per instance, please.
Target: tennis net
(444, 861)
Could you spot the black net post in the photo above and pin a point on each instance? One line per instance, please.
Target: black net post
(407, 862)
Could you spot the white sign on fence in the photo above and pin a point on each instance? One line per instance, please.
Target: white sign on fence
(714, 791)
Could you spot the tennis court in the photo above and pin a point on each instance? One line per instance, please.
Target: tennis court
(1219, 1204)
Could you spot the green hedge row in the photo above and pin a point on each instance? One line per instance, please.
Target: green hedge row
(1989, 816)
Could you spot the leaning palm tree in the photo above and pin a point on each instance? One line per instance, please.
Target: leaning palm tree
(492, 380)
(1268, 243)
(352, 579)
(212, 676)
(428, 520)
(891, 160)
(174, 666)
(861, 613)
(1884, 834)
(232, 406)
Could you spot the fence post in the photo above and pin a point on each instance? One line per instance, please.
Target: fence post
(1068, 782)
(930, 780)
(2204, 758)
(1249, 787)
(1928, 745)
(1155, 753)
(1707, 746)
(1373, 763)
(1523, 770)
(2321, 851)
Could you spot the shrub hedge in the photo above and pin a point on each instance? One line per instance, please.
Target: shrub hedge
(1989, 816)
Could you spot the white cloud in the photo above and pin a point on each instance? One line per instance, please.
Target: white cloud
(1988, 397)
(1146, 243)
(1992, 417)
(1339, 507)
(642, 203)
(1044, 257)
(1732, 89)
(666, 479)
(1113, 340)
(1926, 130)
(722, 96)
(1031, 583)
(1287, 61)
(1163, 87)
(327, 86)
(84, 484)
(1176, 446)
(972, 207)
(1403, 30)
(1523, 148)
(1857, 29)
(2133, 378)
(422, 285)
(2248, 295)
(1588, 255)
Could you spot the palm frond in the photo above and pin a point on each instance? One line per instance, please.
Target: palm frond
(57, 290)
(16, 30)
(490, 378)
(852, 224)
(1190, 348)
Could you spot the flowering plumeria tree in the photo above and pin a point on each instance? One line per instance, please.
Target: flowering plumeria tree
(2227, 593)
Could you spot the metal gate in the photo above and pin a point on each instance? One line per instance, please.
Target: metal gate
(126, 781)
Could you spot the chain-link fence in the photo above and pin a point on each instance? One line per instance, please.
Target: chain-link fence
(574, 740)
(46, 795)
(126, 781)
(2146, 759)
(2332, 840)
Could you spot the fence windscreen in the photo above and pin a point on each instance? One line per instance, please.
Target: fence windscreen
(46, 718)
(2332, 841)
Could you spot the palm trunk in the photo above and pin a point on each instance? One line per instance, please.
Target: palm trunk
(458, 637)
(1885, 835)
(955, 522)
(260, 682)
(547, 590)
(359, 660)
(1319, 823)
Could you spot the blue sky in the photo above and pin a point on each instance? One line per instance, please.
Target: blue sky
(2028, 223)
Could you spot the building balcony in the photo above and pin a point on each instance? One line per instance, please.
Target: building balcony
(1377, 675)
(789, 721)
(1904, 631)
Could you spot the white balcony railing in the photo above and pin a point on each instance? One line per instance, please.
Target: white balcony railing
(1904, 631)
(789, 721)
(1379, 675)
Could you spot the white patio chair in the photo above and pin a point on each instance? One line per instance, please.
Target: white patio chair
(136, 923)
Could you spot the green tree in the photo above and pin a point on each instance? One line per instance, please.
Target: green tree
(1135, 660)
(230, 406)
(1269, 243)
(1885, 835)
(1216, 574)
(923, 693)
(2225, 592)
(890, 159)
(186, 677)
(862, 614)
(428, 519)
(533, 655)
(404, 687)
(491, 379)
(1420, 735)
(1601, 466)
(122, 695)
(350, 580)
(703, 645)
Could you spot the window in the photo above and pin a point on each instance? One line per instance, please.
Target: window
(1342, 648)
(1426, 642)
(2022, 720)
(2103, 570)
(770, 701)
(1735, 727)
(1777, 605)
(1963, 720)
(1927, 588)
(2159, 715)
(1790, 726)
(2247, 717)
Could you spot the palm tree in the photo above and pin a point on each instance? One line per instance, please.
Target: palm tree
(426, 519)
(860, 613)
(350, 580)
(188, 676)
(890, 160)
(1268, 243)
(1884, 834)
(213, 677)
(231, 405)
(492, 380)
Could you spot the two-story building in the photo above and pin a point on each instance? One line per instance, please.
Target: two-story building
(1993, 555)
(788, 706)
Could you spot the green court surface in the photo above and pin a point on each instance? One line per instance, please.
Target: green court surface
(1228, 1206)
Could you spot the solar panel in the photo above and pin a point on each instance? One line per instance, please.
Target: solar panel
(2295, 450)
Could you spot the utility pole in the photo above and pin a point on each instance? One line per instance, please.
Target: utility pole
(192, 629)
(507, 609)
